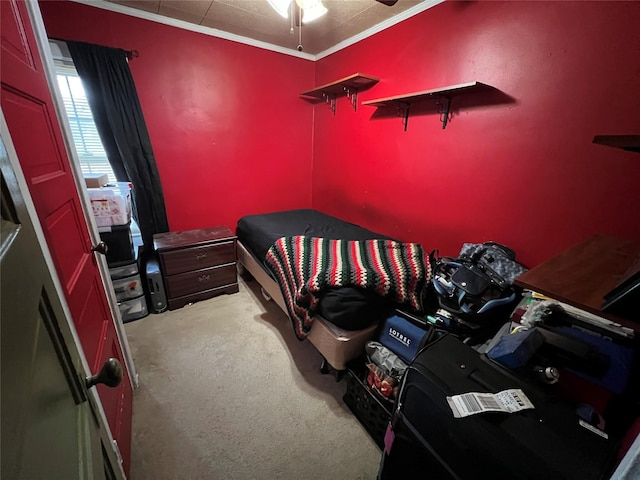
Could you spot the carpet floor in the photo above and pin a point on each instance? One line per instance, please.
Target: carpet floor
(227, 392)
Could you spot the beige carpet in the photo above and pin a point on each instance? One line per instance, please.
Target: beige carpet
(228, 392)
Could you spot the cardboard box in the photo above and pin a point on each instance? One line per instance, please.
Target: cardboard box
(111, 205)
(96, 180)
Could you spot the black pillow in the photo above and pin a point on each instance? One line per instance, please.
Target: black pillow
(353, 308)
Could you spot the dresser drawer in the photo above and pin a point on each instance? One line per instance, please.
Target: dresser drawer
(197, 264)
(200, 280)
(179, 302)
(196, 258)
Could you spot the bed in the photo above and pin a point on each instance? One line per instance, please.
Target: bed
(346, 317)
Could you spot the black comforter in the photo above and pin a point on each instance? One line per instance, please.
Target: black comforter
(259, 232)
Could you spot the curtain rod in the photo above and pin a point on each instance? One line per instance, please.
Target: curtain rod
(131, 54)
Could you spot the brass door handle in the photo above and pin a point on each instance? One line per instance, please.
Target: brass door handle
(110, 374)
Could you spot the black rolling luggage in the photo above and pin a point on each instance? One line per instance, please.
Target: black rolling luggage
(425, 441)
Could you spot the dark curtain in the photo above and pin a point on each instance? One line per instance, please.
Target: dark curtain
(113, 99)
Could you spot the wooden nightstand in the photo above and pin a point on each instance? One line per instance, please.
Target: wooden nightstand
(197, 264)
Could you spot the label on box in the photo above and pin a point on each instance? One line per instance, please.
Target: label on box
(508, 401)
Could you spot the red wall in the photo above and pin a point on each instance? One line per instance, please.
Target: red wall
(522, 169)
(518, 166)
(229, 131)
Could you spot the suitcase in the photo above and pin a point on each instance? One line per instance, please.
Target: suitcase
(424, 440)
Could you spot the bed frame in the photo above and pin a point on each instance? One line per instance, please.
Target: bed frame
(336, 345)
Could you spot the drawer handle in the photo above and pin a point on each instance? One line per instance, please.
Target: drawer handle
(200, 256)
(204, 278)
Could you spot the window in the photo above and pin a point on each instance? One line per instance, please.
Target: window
(93, 158)
(91, 154)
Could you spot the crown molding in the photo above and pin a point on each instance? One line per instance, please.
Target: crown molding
(410, 12)
(213, 32)
(173, 22)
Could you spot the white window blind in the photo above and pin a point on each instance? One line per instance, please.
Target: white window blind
(91, 154)
(93, 158)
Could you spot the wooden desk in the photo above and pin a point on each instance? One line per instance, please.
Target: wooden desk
(583, 274)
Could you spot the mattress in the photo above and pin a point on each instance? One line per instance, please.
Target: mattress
(348, 307)
(259, 232)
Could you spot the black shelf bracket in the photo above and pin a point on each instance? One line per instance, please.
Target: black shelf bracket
(348, 86)
(403, 111)
(440, 96)
(444, 104)
(352, 96)
(330, 100)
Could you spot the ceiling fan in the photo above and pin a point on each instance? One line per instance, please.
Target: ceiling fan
(311, 9)
(305, 11)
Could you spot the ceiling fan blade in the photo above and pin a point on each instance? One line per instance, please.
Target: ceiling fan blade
(388, 3)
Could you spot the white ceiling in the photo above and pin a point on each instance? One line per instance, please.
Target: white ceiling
(255, 21)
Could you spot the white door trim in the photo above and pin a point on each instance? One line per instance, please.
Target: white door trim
(24, 190)
(49, 69)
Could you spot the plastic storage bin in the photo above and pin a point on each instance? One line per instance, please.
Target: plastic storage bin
(372, 412)
(128, 287)
(133, 309)
(111, 205)
(123, 271)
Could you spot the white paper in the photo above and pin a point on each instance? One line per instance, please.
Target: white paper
(508, 401)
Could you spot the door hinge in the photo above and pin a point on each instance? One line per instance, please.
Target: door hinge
(117, 450)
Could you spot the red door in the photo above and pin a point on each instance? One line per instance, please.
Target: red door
(29, 112)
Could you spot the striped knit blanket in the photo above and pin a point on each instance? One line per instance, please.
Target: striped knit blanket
(307, 266)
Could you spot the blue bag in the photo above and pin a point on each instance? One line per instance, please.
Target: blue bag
(402, 337)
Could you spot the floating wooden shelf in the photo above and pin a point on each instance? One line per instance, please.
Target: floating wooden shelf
(442, 97)
(348, 86)
(630, 143)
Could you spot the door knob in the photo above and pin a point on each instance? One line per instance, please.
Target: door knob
(110, 374)
(100, 248)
